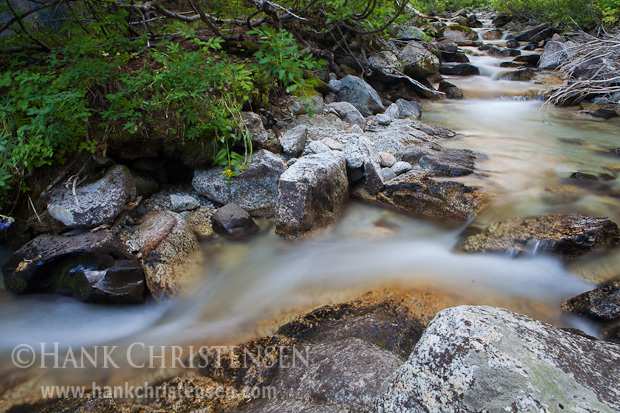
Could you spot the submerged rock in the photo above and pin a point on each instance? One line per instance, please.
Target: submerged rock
(255, 189)
(491, 359)
(165, 243)
(452, 91)
(311, 193)
(567, 235)
(92, 267)
(94, 204)
(602, 303)
(234, 222)
(361, 95)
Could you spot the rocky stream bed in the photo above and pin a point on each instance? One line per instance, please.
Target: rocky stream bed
(256, 255)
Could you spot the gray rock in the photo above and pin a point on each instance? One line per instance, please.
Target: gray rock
(491, 359)
(493, 35)
(451, 90)
(165, 243)
(408, 109)
(464, 69)
(255, 189)
(568, 235)
(361, 95)
(314, 104)
(294, 141)
(442, 162)
(410, 32)
(146, 185)
(311, 194)
(393, 111)
(353, 155)
(383, 119)
(183, 202)
(386, 159)
(91, 267)
(334, 86)
(318, 147)
(385, 61)
(348, 113)
(234, 222)
(417, 61)
(387, 174)
(256, 128)
(332, 144)
(401, 167)
(94, 204)
(372, 165)
(553, 55)
(460, 34)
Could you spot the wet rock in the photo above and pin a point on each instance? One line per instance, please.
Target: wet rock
(361, 95)
(44, 223)
(165, 243)
(294, 141)
(484, 358)
(531, 46)
(528, 59)
(91, 267)
(386, 159)
(464, 69)
(447, 45)
(348, 113)
(401, 167)
(451, 91)
(234, 222)
(536, 34)
(602, 303)
(554, 54)
(501, 20)
(459, 34)
(94, 204)
(496, 51)
(493, 35)
(458, 57)
(199, 220)
(444, 162)
(566, 235)
(512, 43)
(183, 202)
(311, 194)
(255, 189)
(417, 194)
(417, 61)
(521, 75)
(407, 109)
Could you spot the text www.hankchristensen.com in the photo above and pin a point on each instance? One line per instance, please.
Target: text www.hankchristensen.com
(145, 391)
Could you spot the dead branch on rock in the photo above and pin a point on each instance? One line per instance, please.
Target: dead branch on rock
(593, 67)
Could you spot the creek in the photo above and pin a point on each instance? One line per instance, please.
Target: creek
(245, 289)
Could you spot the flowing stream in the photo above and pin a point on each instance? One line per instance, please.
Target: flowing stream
(528, 153)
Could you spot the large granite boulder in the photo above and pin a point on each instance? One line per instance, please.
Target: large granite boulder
(567, 235)
(92, 267)
(255, 189)
(417, 61)
(165, 244)
(361, 95)
(490, 359)
(462, 35)
(96, 203)
(311, 193)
